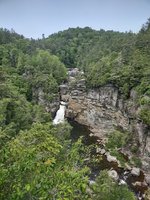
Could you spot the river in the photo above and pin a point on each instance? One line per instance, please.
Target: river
(125, 176)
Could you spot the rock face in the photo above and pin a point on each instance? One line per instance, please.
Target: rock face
(50, 106)
(95, 108)
(103, 110)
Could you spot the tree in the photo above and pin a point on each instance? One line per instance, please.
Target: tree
(35, 165)
(106, 189)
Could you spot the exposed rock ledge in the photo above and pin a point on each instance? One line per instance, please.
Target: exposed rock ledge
(103, 110)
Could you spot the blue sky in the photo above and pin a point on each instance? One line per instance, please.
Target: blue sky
(32, 18)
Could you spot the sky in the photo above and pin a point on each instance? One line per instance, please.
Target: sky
(32, 18)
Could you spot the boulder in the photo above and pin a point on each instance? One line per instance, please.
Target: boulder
(113, 174)
(73, 72)
(122, 182)
(63, 89)
(140, 184)
(147, 178)
(103, 151)
(111, 158)
(65, 98)
(91, 134)
(98, 150)
(135, 171)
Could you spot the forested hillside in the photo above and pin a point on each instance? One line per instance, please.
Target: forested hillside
(106, 56)
(38, 160)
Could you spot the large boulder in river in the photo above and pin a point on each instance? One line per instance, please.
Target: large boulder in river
(135, 171)
(111, 158)
(113, 174)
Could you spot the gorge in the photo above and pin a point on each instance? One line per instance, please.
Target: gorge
(77, 82)
(103, 111)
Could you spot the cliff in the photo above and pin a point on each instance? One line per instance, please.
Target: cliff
(104, 110)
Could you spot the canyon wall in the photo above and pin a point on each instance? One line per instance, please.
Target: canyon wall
(39, 97)
(104, 110)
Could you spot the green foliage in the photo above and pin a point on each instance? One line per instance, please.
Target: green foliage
(49, 64)
(117, 139)
(137, 162)
(39, 114)
(62, 131)
(145, 100)
(106, 189)
(145, 115)
(121, 59)
(27, 76)
(37, 160)
(7, 36)
(27, 156)
(35, 165)
(17, 111)
(134, 149)
(43, 71)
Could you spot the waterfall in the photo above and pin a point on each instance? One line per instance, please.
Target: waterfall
(60, 115)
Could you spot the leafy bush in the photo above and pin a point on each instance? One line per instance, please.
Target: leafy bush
(145, 115)
(116, 139)
(137, 161)
(106, 189)
(35, 165)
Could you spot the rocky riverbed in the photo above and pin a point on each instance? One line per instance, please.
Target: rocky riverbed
(133, 177)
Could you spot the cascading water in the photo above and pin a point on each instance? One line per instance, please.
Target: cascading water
(60, 115)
